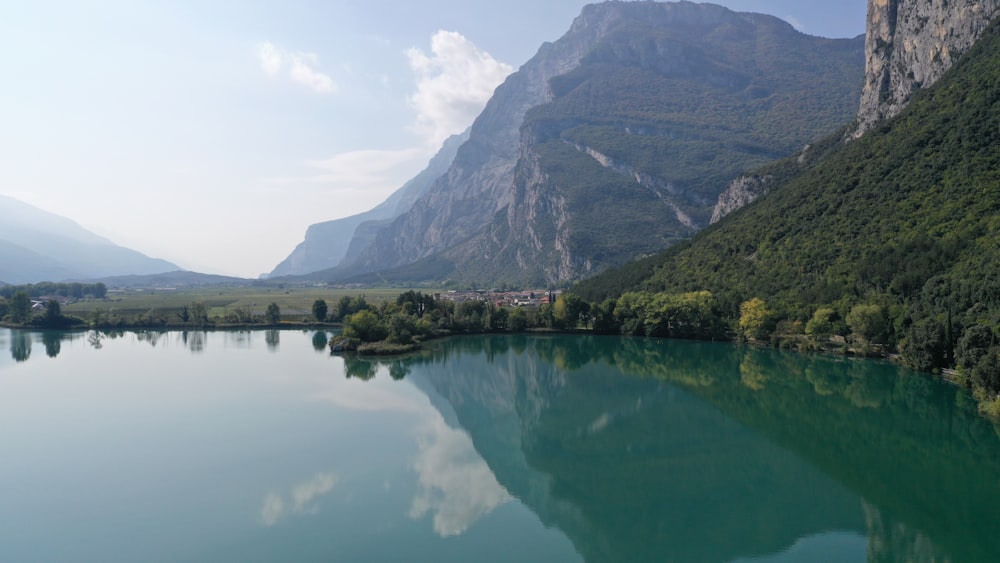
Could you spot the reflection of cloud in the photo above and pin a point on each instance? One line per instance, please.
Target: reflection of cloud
(456, 485)
(275, 507)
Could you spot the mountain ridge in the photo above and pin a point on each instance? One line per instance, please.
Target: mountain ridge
(468, 224)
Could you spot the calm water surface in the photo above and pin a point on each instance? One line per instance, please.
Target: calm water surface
(260, 446)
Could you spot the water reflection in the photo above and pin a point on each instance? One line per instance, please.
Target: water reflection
(53, 343)
(194, 340)
(715, 452)
(301, 500)
(272, 337)
(20, 346)
(455, 484)
(320, 341)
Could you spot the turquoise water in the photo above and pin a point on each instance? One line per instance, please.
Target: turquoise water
(260, 446)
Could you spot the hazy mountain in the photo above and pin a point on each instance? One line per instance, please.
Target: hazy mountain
(36, 245)
(328, 244)
(615, 141)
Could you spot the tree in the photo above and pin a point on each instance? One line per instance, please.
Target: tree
(20, 307)
(199, 313)
(821, 325)
(53, 313)
(869, 322)
(273, 314)
(568, 310)
(365, 326)
(755, 318)
(99, 290)
(320, 310)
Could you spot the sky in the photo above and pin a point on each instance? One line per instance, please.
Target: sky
(212, 133)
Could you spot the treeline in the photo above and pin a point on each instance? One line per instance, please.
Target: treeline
(51, 289)
(393, 327)
(19, 310)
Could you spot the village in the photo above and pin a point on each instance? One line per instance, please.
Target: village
(500, 298)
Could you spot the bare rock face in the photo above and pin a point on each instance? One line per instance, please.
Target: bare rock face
(740, 193)
(910, 44)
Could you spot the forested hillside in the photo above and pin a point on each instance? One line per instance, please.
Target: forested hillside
(891, 239)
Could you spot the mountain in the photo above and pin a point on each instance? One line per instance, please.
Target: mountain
(36, 245)
(615, 141)
(910, 46)
(902, 222)
(328, 244)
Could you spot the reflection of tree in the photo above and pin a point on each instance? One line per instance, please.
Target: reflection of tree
(751, 373)
(20, 346)
(194, 340)
(360, 369)
(152, 337)
(95, 340)
(53, 343)
(320, 341)
(398, 370)
(272, 338)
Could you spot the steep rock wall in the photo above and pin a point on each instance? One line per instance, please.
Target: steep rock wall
(910, 44)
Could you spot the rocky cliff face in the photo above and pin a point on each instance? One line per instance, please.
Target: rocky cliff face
(910, 44)
(327, 244)
(615, 141)
(740, 193)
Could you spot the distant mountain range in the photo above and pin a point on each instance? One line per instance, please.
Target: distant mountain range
(612, 143)
(36, 245)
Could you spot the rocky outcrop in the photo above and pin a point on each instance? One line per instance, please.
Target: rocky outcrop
(740, 193)
(329, 243)
(910, 44)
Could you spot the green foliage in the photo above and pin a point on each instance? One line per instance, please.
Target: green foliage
(50, 289)
(685, 315)
(319, 310)
(904, 223)
(273, 313)
(869, 322)
(20, 307)
(569, 310)
(822, 325)
(756, 319)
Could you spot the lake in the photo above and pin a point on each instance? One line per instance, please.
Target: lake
(261, 446)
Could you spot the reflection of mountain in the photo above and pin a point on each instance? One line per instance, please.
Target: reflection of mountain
(632, 469)
(716, 453)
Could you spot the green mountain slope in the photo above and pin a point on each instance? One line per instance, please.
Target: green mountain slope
(906, 219)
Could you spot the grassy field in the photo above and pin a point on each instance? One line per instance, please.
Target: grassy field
(295, 303)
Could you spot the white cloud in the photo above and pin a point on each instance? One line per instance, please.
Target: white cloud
(454, 82)
(301, 67)
(271, 58)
